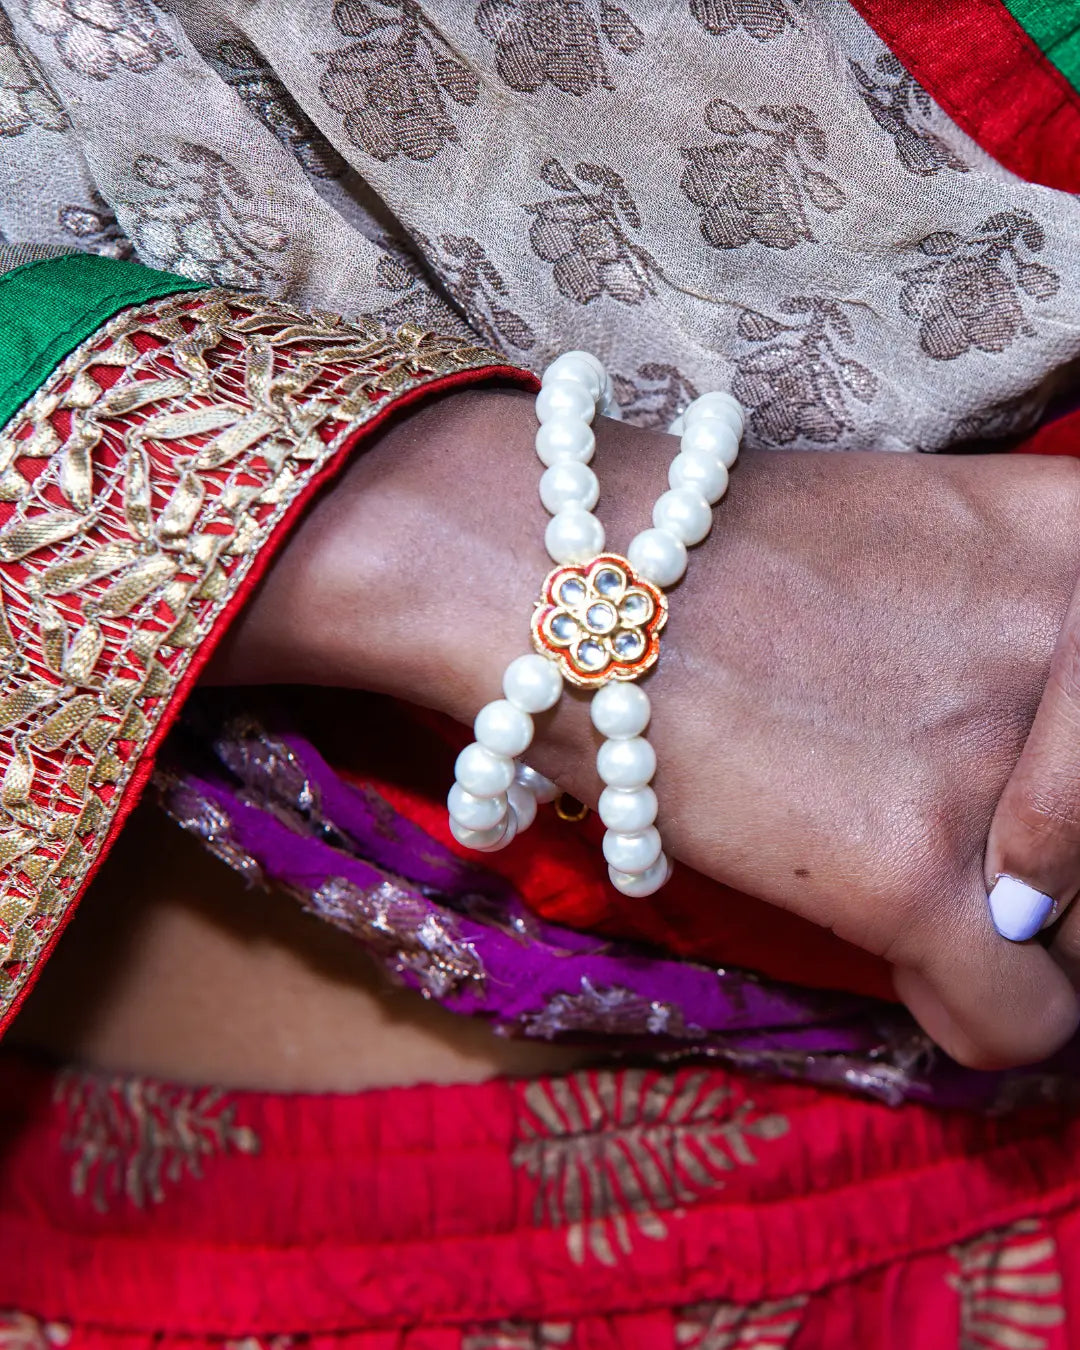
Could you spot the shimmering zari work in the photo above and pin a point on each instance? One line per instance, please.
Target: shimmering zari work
(138, 488)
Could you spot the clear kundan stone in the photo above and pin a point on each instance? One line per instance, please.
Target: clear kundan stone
(636, 608)
(608, 582)
(591, 655)
(601, 618)
(565, 627)
(629, 646)
(572, 591)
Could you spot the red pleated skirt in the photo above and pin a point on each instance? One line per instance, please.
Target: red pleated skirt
(632, 1209)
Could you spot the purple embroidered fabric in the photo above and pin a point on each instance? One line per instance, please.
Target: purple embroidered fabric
(270, 806)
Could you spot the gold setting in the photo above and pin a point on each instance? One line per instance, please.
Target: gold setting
(599, 621)
(137, 488)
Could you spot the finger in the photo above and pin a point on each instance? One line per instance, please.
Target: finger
(989, 1004)
(1033, 851)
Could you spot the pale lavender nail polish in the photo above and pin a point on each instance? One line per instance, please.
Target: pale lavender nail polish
(1018, 910)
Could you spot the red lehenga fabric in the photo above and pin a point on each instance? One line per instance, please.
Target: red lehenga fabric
(631, 1209)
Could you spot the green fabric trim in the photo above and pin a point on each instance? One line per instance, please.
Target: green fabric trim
(1054, 27)
(47, 308)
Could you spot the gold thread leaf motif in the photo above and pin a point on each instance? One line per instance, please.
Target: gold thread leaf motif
(174, 478)
(65, 722)
(137, 493)
(771, 1325)
(614, 1153)
(133, 1139)
(38, 532)
(1010, 1287)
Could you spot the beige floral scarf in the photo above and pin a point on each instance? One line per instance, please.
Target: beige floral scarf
(741, 193)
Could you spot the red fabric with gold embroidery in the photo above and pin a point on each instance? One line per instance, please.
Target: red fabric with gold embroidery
(610, 1209)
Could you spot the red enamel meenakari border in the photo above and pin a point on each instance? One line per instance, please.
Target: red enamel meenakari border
(142, 491)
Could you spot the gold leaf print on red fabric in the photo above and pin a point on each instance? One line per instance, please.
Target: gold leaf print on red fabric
(1010, 1288)
(20, 1331)
(729, 1326)
(132, 1138)
(613, 1153)
(518, 1336)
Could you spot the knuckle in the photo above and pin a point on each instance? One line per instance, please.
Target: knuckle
(1046, 811)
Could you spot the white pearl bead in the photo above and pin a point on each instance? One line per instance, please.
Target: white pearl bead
(703, 473)
(633, 853)
(678, 426)
(563, 399)
(478, 839)
(475, 813)
(565, 440)
(637, 887)
(504, 729)
(685, 513)
(657, 556)
(533, 684)
(482, 773)
(574, 535)
(569, 484)
(717, 406)
(543, 789)
(627, 809)
(581, 367)
(711, 438)
(506, 832)
(620, 710)
(523, 805)
(626, 764)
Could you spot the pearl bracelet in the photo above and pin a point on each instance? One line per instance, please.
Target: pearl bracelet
(597, 624)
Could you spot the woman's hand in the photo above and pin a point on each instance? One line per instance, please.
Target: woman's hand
(1033, 853)
(850, 670)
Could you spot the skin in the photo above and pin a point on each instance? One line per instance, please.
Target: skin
(850, 673)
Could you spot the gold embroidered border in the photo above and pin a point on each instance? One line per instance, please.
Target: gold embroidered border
(137, 487)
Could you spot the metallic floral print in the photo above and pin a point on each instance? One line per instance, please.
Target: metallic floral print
(132, 1138)
(26, 97)
(762, 178)
(1010, 1288)
(198, 215)
(392, 82)
(797, 382)
(245, 70)
(630, 177)
(771, 1325)
(761, 20)
(904, 111)
(613, 1153)
(587, 234)
(95, 37)
(560, 42)
(971, 295)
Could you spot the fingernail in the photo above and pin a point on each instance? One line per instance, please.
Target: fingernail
(1017, 909)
